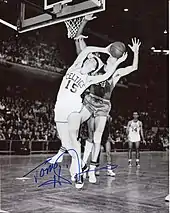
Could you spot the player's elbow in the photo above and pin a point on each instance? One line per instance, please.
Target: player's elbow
(135, 66)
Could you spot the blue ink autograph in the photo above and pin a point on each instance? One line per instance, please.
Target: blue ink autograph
(57, 178)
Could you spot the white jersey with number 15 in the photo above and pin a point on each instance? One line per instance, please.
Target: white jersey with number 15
(73, 85)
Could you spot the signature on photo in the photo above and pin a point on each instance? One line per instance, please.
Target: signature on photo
(54, 171)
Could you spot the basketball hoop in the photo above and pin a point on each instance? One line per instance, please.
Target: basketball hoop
(73, 26)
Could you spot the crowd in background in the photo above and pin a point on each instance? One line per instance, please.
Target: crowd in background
(33, 120)
(27, 119)
(32, 51)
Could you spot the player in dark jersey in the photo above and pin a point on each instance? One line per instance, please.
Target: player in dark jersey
(97, 103)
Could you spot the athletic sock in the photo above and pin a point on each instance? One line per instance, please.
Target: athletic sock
(92, 167)
(137, 161)
(109, 167)
(92, 177)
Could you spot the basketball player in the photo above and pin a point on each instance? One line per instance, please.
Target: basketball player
(80, 44)
(69, 102)
(106, 141)
(97, 103)
(135, 135)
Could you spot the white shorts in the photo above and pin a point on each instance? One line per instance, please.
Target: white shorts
(134, 140)
(64, 107)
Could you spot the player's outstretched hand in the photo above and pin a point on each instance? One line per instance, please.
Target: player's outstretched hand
(135, 45)
(80, 37)
(90, 17)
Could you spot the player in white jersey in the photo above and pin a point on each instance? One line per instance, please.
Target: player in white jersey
(69, 103)
(135, 135)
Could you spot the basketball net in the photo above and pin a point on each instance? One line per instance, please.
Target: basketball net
(73, 26)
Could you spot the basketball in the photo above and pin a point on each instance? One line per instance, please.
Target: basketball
(117, 49)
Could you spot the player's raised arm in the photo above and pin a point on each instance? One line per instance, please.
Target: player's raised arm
(80, 43)
(99, 78)
(83, 55)
(135, 48)
(79, 39)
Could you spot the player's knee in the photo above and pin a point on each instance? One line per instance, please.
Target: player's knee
(130, 146)
(73, 130)
(108, 153)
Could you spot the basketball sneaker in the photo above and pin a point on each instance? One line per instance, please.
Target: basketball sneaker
(79, 183)
(130, 163)
(73, 179)
(137, 163)
(167, 198)
(110, 173)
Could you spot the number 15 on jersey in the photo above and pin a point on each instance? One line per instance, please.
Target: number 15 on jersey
(71, 86)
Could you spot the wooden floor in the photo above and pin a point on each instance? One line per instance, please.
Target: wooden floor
(131, 191)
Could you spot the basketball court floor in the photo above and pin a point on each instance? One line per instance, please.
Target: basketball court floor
(131, 191)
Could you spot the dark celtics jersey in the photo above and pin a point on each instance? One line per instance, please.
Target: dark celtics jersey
(103, 89)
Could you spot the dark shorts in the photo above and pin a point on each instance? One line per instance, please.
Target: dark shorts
(97, 106)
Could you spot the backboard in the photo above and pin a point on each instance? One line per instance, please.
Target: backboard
(35, 14)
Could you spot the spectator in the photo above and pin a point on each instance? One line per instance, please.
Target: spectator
(19, 137)
(2, 136)
(30, 51)
(9, 135)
